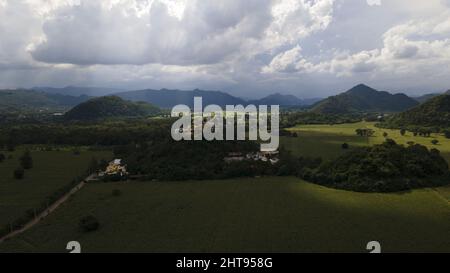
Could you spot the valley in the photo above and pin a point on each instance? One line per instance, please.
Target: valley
(183, 197)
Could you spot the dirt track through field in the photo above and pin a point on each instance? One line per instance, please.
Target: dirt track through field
(44, 214)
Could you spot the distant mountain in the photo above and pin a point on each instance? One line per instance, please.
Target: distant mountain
(29, 100)
(433, 113)
(79, 91)
(363, 98)
(168, 98)
(108, 107)
(426, 97)
(283, 100)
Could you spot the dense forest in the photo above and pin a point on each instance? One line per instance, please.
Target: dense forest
(386, 167)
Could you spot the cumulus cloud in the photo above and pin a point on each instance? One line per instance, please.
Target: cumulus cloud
(288, 61)
(411, 47)
(374, 2)
(296, 19)
(205, 32)
(201, 32)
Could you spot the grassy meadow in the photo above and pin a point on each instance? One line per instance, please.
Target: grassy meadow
(51, 171)
(243, 215)
(326, 140)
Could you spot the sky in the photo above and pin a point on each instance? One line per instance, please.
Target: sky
(249, 48)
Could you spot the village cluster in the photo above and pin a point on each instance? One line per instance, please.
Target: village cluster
(265, 155)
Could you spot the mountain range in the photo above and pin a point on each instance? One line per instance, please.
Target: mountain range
(360, 98)
(78, 91)
(168, 98)
(363, 98)
(283, 100)
(29, 100)
(426, 97)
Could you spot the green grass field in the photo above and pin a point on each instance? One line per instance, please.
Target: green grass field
(326, 140)
(247, 215)
(52, 170)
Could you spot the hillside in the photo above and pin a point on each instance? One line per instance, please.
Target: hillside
(433, 113)
(110, 106)
(168, 98)
(362, 98)
(29, 100)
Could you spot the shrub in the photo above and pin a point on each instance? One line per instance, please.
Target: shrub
(19, 173)
(116, 192)
(435, 142)
(89, 224)
(26, 161)
(447, 133)
(2, 158)
(345, 146)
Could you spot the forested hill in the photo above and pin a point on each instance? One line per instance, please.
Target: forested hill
(108, 107)
(363, 98)
(433, 113)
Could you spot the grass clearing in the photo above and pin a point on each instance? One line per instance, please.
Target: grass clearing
(326, 140)
(51, 171)
(270, 214)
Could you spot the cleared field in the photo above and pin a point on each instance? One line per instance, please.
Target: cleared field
(52, 170)
(247, 215)
(326, 140)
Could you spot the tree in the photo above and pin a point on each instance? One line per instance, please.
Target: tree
(26, 161)
(365, 132)
(89, 223)
(435, 142)
(93, 165)
(402, 132)
(345, 146)
(447, 133)
(19, 173)
(2, 158)
(76, 151)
